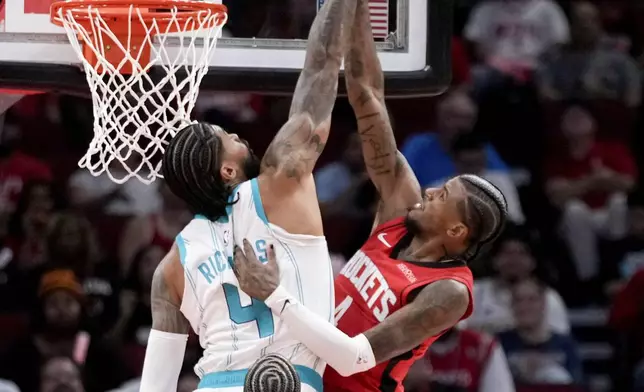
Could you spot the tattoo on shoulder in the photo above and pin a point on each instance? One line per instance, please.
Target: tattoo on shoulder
(437, 307)
(166, 315)
(294, 157)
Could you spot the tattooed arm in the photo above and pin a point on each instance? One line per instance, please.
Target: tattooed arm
(437, 307)
(388, 169)
(165, 299)
(169, 334)
(297, 146)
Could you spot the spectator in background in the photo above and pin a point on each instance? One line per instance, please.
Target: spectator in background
(513, 260)
(627, 318)
(461, 361)
(29, 224)
(428, 153)
(536, 354)
(511, 35)
(339, 183)
(470, 157)
(591, 67)
(72, 244)
(102, 195)
(58, 331)
(157, 228)
(8, 386)
(60, 374)
(588, 180)
(627, 257)
(16, 168)
(188, 382)
(460, 63)
(135, 319)
(15, 291)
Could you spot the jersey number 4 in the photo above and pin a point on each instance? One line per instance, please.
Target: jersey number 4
(257, 311)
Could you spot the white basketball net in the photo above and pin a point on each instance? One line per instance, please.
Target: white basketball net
(135, 116)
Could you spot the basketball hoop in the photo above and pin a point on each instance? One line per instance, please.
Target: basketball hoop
(119, 42)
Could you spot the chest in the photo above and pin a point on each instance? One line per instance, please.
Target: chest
(368, 290)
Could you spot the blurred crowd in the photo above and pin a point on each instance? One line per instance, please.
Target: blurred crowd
(545, 103)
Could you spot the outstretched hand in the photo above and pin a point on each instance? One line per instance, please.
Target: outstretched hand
(256, 279)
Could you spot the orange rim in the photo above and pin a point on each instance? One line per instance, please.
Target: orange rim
(127, 20)
(116, 11)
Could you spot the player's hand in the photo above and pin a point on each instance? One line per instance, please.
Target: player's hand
(256, 279)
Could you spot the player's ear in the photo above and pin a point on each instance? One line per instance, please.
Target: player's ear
(228, 172)
(459, 230)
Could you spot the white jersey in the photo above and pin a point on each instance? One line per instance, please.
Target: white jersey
(234, 329)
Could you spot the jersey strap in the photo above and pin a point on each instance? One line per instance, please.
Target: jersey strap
(400, 221)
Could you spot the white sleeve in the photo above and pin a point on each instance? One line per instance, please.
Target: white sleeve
(163, 361)
(559, 28)
(556, 313)
(477, 24)
(344, 354)
(496, 373)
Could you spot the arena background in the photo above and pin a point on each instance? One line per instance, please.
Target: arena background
(542, 91)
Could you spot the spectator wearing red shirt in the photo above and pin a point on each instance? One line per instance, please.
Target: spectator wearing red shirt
(588, 180)
(462, 361)
(460, 63)
(16, 168)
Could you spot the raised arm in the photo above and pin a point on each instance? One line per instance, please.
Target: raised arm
(437, 307)
(169, 334)
(388, 169)
(297, 146)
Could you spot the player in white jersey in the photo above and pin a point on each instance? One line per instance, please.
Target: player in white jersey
(234, 197)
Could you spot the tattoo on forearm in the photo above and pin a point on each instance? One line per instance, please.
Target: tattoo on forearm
(361, 61)
(299, 143)
(437, 307)
(166, 315)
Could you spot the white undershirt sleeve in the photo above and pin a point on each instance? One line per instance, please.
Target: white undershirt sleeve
(496, 373)
(345, 354)
(163, 361)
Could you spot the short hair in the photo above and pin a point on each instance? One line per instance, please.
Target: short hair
(485, 214)
(191, 164)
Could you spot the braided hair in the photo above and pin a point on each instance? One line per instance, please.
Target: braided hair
(191, 164)
(485, 213)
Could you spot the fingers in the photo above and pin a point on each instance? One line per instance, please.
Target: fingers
(240, 260)
(248, 248)
(270, 253)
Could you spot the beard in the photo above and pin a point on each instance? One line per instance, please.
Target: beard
(411, 225)
(251, 165)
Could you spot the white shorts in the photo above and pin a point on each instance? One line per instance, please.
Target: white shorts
(233, 381)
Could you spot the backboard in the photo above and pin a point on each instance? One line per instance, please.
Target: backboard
(262, 49)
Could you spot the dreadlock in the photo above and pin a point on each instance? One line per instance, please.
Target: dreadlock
(485, 213)
(191, 165)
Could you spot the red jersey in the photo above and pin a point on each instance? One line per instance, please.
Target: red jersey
(462, 366)
(372, 286)
(614, 156)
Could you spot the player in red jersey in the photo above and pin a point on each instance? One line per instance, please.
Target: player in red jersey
(410, 281)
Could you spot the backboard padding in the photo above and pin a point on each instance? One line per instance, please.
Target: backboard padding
(410, 71)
